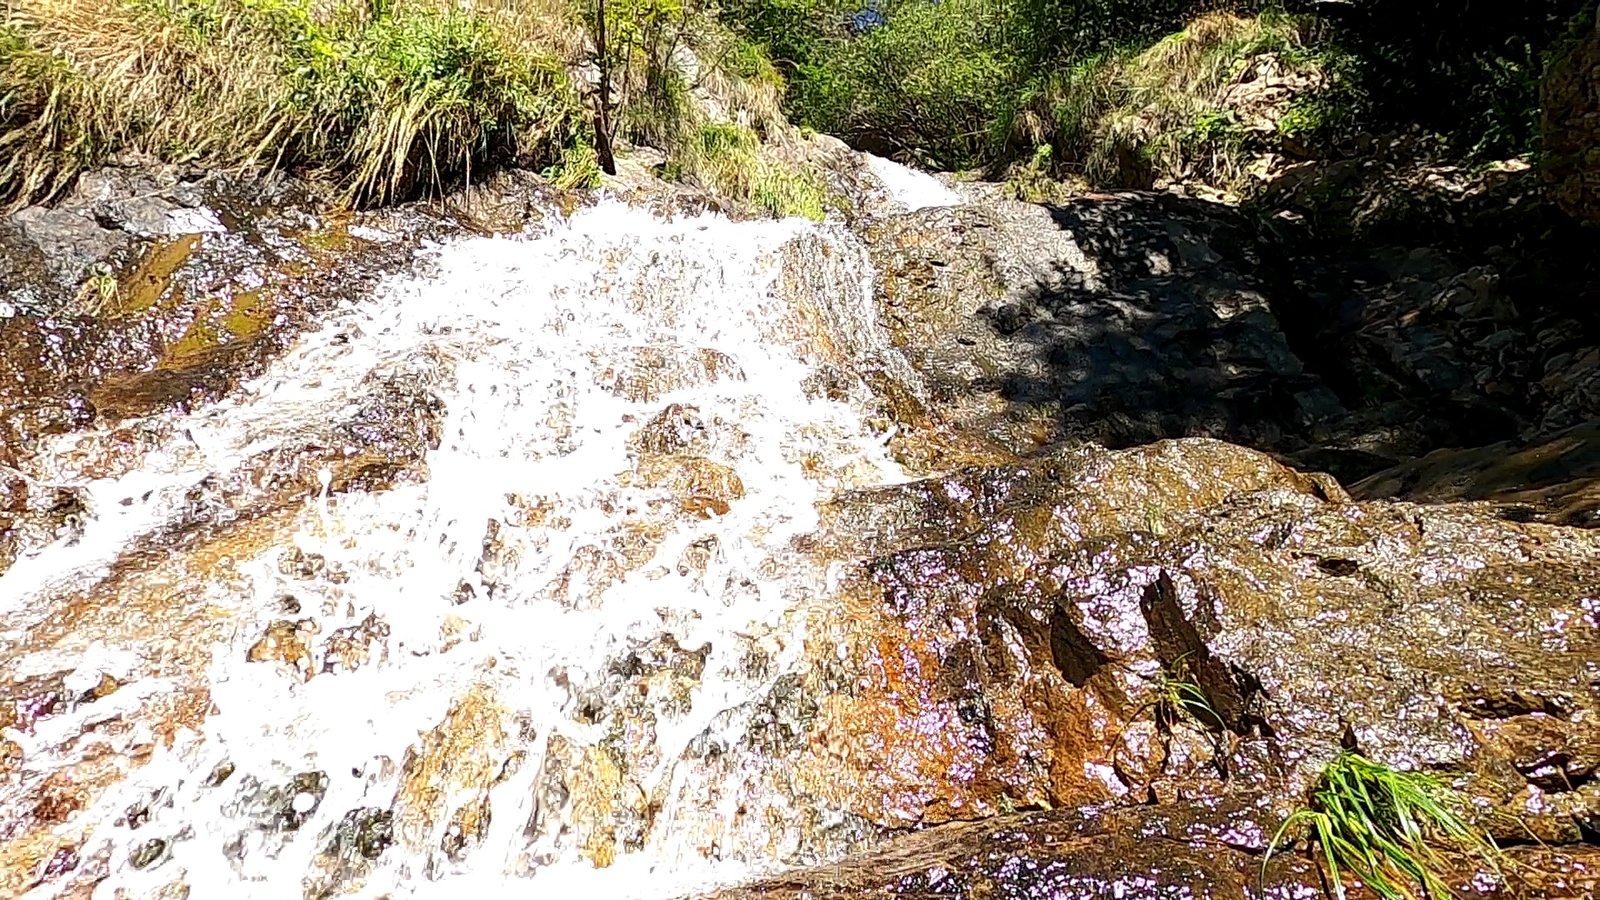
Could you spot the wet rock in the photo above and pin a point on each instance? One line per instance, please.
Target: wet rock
(959, 669)
(147, 853)
(348, 649)
(220, 773)
(468, 825)
(678, 429)
(33, 515)
(165, 292)
(655, 369)
(25, 701)
(1556, 480)
(460, 757)
(1136, 853)
(1017, 657)
(692, 484)
(288, 806)
(350, 848)
(287, 643)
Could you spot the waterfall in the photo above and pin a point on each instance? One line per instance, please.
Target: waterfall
(484, 580)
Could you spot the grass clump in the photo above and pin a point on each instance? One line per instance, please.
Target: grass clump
(384, 100)
(728, 159)
(1170, 110)
(1381, 825)
(1178, 700)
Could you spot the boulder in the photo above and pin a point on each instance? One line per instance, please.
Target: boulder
(1570, 99)
(1008, 638)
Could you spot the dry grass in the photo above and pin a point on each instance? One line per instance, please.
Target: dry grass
(385, 107)
(382, 99)
(1131, 117)
(728, 159)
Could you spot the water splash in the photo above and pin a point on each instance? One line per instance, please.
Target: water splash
(910, 188)
(492, 670)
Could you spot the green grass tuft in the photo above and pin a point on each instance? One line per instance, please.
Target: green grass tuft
(1380, 825)
(1180, 699)
(729, 160)
(386, 101)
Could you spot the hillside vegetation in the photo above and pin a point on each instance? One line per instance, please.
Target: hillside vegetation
(380, 99)
(393, 99)
(1123, 92)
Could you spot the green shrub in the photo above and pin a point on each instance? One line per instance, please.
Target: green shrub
(1379, 824)
(930, 85)
(391, 104)
(728, 159)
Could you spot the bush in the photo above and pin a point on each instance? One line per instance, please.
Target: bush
(930, 85)
(391, 104)
(1127, 117)
(727, 158)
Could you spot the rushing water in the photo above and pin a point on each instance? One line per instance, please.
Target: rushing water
(492, 671)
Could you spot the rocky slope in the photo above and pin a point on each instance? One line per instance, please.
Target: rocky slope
(1570, 100)
(542, 542)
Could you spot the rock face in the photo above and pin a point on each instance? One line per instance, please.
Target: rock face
(1123, 318)
(1009, 631)
(584, 553)
(1127, 317)
(1213, 853)
(1570, 99)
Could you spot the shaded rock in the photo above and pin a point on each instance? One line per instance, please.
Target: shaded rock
(1569, 98)
(350, 848)
(1138, 853)
(1555, 480)
(1124, 318)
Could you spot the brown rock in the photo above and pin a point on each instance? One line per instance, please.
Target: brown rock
(1570, 103)
(286, 642)
(693, 484)
(348, 649)
(460, 757)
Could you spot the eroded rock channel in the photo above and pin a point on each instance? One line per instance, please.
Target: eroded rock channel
(584, 548)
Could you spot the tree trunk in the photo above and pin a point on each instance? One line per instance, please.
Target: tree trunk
(602, 102)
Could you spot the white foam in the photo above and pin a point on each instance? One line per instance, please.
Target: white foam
(519, 338)
(911, 188)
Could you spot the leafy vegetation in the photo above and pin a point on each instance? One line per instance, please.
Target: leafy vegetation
(386, 100)
(1124, 92)
(1380, 825)
(728, 160)
(1127, 116)
(381, 99)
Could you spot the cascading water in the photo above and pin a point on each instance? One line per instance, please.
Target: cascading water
(536, 651)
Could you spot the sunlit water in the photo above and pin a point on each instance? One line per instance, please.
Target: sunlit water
(518, 577)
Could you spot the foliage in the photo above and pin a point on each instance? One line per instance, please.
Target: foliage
(1376, 823)
(1127, 117)
(1471, 77)
(387, 102)
(960, 83)
(1179, 699)
(727, 158)
(578, 167)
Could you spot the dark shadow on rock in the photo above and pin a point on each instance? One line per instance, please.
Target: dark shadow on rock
(1131, 317)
